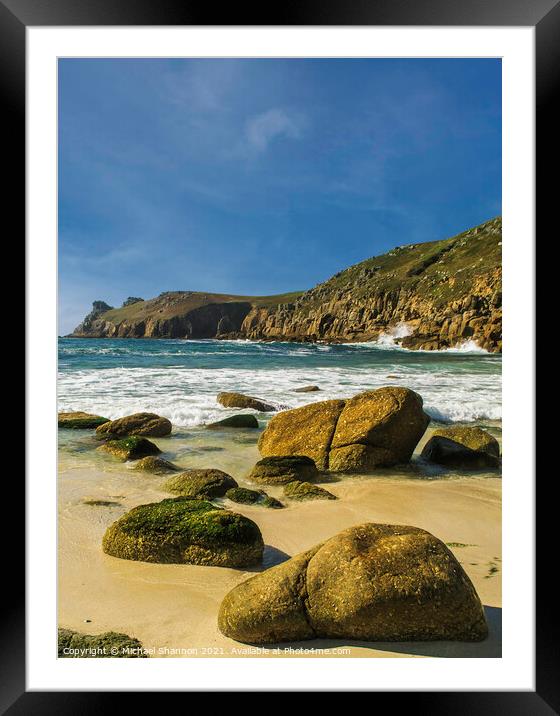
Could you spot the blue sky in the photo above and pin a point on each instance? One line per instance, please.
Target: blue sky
(263, 176)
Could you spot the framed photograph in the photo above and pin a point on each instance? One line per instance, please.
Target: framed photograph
(276, 273)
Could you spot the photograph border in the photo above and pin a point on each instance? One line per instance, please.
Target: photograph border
(16, 16)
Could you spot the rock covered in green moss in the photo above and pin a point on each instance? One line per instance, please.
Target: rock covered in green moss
(297, 490)
(235, 421)
(80, 420)
(200, 483)
(372, 582)
(148, 424)
(238, 400)
(463, 447)
(110, 645)
(281, 469)
(244, 496)
(156, 465)
(131, 448)
(181, 530)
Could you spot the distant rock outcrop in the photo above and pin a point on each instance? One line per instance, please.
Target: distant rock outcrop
(430, 295)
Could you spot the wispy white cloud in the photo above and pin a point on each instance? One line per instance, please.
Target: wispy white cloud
(265, 127)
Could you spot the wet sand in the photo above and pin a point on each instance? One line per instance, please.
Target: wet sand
(172, 609)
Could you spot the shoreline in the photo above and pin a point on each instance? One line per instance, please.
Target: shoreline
(174, 607)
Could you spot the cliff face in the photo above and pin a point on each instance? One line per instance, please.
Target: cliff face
(430, 296)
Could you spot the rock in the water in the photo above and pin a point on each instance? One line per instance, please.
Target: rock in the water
(110, 645)
(283, 469)
(306, 491)
(235, 421)
(378, 428)
(138, 424)
(156, 465)
(80, 421)
(238, 400)
(307, 389)
(244, 496)
(200, 483)
(372, 582)
(463, 447)
(131, 448)
(181, 530)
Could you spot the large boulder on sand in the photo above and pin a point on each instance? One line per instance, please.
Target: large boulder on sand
(372, 582)
(463, 447)
(378, 428)
(138, 424)
(238, 400)
(200, 483)
(80, 421)
(280, 470)
(131, 448)
(185, 531)
(109, 645)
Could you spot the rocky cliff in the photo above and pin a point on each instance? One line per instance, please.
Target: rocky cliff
(429, 295)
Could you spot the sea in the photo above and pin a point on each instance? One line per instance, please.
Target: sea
(180, 379)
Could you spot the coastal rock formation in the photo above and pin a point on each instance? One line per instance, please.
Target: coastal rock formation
(378, 428)
(307, 389)
(238, 400)
(463, 447)
(80, 421)
(137, 424)
(431, 295)
(372, 582)
(203, 484)
(235, 421)
(131, 448)
(156, 465)
(297, 490)
(185, 531)
(110, 645)
(243, 496)
(279, 470)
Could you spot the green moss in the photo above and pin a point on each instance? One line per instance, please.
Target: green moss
(297, 490)
(156, 465)
(80, 421)
(130, 448)
(272, 502)
(283, 469)
(244, 496)
(182, 530)
(200, 483)
(110, 645)
(101, 503)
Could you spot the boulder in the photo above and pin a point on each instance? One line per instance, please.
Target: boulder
(110, 645)
(243, 496)
(235, 421)
(138, 424)
(80, 421)
(306, 491)
(463, 447)
(371, 582)
(283, 469)
(378, 428)
(200, 483)
(238, 400)
(156, 465)
(303, 431)
(131, 448)
(307, 389)
(181, 530)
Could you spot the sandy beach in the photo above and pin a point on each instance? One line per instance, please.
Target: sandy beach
(172, 609)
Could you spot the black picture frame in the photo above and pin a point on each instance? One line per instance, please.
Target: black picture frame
(15, 17)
